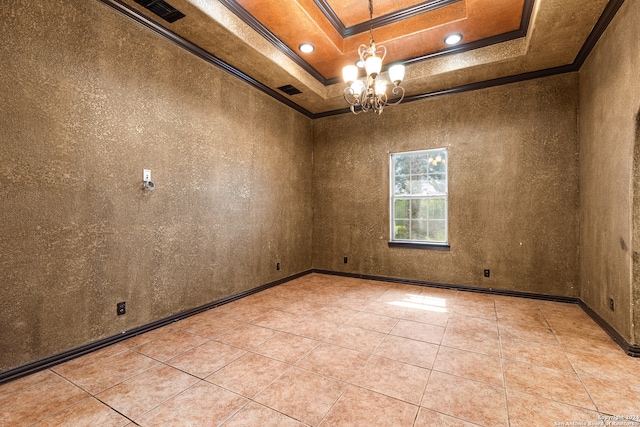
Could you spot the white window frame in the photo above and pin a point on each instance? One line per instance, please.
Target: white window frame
(430, 195)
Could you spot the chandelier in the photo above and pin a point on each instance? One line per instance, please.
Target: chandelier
(370, 93)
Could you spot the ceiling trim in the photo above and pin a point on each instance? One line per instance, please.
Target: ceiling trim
(381, 21)
(601, 25)
(251, 21)
(136, 16)
(603, 22)
(258, 27)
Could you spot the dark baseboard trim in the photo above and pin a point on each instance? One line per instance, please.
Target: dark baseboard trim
(632, 350)
(503, 292)
(48, 362)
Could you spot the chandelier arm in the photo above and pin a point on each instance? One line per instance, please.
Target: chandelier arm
(398, 90)
(350, 96)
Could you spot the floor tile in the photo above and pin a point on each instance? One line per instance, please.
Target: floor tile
(429, 418)
(248, 375)
(338, 315)
(204, 404)
(40, 401)
(350, 303)
(526, 410)
(418, 331)
(561, 386)
(316, 329)
(208, 325)
(514, 317)
(205, 359)
(373, 322)
(24, 383)
(88, 412)
(242, 311)
(96, 375)
(256, 415)
(247, 336)
(363, 340)
(613, 397)
(474, 366)
(438, 318)
(534, 334)
(170, 345)
(481, 310)
(276, 319)
(468, 400)
(287, 347)
(469, 323)
(614, 365)
(302, 395)
(395, 379)
(549, 356)
(269, 301)
(360, 407)
(334, 361)
(385, 309)
(418, 353)
(473, 340)
(301, 307)
(145, 391)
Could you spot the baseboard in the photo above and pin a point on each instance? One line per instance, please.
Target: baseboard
(504, 292)
(632, 350)
(48, 362)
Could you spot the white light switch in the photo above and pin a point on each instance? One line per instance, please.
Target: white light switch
(146, 174)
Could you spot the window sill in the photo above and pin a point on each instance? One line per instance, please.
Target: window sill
(424, 246)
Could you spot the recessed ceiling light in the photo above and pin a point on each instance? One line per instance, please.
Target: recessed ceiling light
(452, 39)
(306, 48)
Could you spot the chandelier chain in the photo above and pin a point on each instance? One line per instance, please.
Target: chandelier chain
(370, 21)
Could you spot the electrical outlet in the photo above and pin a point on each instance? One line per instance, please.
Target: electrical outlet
(121, 308)
(612, 305)
(146, 175)
(487, 272)
(277, 266)
(345, 260)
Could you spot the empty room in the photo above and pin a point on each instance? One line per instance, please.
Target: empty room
(320, 213)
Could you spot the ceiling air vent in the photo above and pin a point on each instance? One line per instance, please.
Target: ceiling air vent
(290, 90)
(163, 9)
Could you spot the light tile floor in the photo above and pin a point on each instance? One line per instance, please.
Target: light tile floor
(332, 351)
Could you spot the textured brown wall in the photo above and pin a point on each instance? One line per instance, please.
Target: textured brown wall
(513, 170)
(609, 103)
(89, 99)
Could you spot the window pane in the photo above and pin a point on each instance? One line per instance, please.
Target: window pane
(419, 165)
(402, 165)
(436, 209)
(419, 209)
(401, 230)
(438, 161)
(418, 230)
(437, 231)
(401, 209)
(438, 183)
(417, 182)
(402, 185)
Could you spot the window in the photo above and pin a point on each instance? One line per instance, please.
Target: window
(419, 188)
